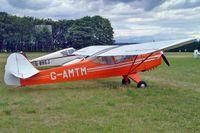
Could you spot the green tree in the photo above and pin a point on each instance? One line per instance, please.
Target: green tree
(90, 31)
(21, 34)
(103, 31)
(43, 39)
(60, 29)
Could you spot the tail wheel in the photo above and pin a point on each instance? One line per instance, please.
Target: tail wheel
(126, 81)
(142, 84)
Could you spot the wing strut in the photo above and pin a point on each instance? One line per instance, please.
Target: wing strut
(133, 68)
(133, 62)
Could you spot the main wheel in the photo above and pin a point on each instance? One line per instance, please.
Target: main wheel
(142, 84)
(126, 81)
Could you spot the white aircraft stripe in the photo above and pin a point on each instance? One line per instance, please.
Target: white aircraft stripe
(123, 63)
(119, 66)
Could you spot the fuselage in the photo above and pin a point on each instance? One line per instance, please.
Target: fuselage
(96, 67)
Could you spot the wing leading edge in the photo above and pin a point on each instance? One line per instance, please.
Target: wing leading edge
(144, 48)
(94, 50)
(132, 49)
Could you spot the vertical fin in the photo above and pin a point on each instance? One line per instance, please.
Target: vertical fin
(18, 67)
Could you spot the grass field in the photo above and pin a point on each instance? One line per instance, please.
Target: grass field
(170, 104)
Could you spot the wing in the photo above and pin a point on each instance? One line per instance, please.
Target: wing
(57, 58)
(57, 54)
(132, 49)
(94, 50)
(144, 48)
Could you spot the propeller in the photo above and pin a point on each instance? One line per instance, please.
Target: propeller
(165, 60)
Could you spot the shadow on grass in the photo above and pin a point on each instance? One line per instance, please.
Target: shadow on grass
(108, 83)
(87, 85)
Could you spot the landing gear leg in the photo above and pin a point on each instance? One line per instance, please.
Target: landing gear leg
(126, 80)
(136, 79)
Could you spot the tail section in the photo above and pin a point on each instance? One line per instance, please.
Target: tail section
(18, 67)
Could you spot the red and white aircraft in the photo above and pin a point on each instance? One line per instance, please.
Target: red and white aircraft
(98, 62)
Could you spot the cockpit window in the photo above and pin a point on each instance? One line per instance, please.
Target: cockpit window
(122, 58)
(64, 52)
(104, 60)
(71, 51)
(111, 59)
(68, 52)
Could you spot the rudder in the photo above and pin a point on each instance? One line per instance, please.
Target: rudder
(18, 67)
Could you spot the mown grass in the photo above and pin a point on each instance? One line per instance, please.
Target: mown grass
(170, 104)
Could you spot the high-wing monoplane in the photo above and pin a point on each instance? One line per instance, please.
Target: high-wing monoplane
(106, 61)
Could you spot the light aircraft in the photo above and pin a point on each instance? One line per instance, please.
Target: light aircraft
(196, 53)
(98, 62)
(58, 58)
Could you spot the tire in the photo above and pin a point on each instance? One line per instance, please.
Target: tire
(124, 82)
(142, 84)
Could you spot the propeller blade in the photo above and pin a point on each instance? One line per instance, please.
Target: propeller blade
(165, 60)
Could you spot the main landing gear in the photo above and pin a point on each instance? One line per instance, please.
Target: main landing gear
(126, 81)
(140, 84)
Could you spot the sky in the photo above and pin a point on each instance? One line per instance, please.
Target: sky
(132, 20)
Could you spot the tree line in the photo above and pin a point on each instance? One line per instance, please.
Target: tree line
(33, 34)
(187, 48)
